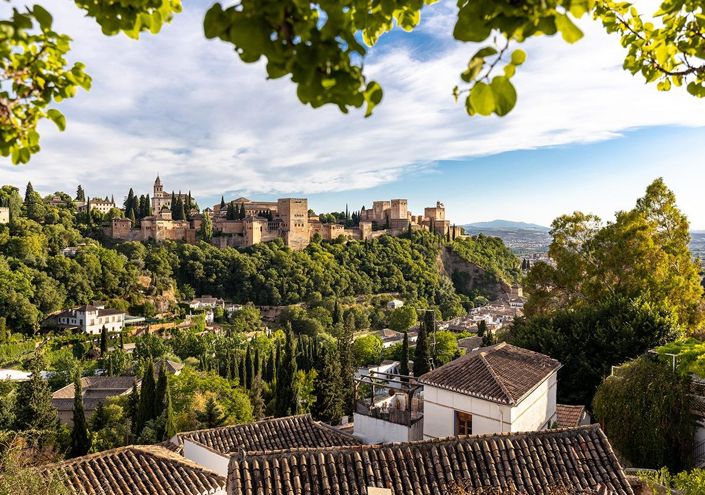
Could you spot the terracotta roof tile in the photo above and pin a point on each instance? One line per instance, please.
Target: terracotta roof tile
(269, 435)
(500, 373)
(578, 459)
(136, 470)
(569, 416)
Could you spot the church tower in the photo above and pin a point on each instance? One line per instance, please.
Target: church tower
(158, 189)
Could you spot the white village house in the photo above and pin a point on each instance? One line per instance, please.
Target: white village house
(91, 319)
(495, 389)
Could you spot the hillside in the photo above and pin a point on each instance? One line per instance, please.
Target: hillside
(505, 225)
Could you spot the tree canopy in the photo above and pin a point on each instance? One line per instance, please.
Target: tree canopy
(642, 254)
(322, 47)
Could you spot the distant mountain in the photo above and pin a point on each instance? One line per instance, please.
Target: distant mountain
(505, 225)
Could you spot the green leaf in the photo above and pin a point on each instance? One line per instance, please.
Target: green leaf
(510, 70)
(505, 96)
(373, 95)
(518, 56)
(485, 52)
(214, 23)
(43, 16)
(474, 68)
(482, 98)
(471, 26)
(570, 32)
(58, 118)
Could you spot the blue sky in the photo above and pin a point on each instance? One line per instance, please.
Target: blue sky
(585, 135)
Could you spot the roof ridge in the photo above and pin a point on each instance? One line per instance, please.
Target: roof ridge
(497, 379)
(433, 441)
(243, 425)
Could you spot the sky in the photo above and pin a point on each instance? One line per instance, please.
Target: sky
(585, 135)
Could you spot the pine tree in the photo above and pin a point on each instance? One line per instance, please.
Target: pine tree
(211, 416)
(33, 409)
(257, 398)
(347, 364)
(103, 341)
(80, 441)
(80, 193)
(145, 410)
(285, 397)
(404, 365)
(422, 354)
(329, 398)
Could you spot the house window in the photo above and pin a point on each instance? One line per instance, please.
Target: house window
(463, 423)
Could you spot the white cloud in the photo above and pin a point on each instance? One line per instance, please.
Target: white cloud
(188, 108)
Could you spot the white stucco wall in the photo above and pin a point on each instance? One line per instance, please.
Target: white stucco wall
(535, 412)
(373, 430)
(205, 457)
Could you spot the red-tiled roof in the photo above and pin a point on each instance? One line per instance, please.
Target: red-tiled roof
(578, 459)
(136, 470)
(569, 416)
(270, 434)
(500, 373)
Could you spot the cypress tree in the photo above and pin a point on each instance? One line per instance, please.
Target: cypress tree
(160, 392)
(148, 208)
(33, 409)
(256, 364)
(103, 341)
(133, 403)
(206, 228)
(249, 369)
(80, 194)
(230, 212)
(28, 193)
(145, 409)
(128, 202)
(181, 211)
(257, 398)
(80, 441)
(337, 313)
(169, 420)
(285, 397)
(329, 399)
(222, 202)
(347, 365)
(242, 211)
(422, 354)
(448, 235)
(404, 365)
(133, 219)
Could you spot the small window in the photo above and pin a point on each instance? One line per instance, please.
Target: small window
(463, 423)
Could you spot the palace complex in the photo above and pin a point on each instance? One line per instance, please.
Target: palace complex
(243, 222)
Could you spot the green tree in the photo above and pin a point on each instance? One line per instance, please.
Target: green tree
(257, 398)
(169, 418)
(347, 364)
(446, 348)
(402, 319)
(285, 394)
(329, 397)
(422, 353)
(642, 254)
(589, 341)
(212, 415)
(4, 331)
(646, 410)
(80, 439)
(33, 409)
(404, 363)
(145, 409)
(161, 389)
(664, 48)
(206, 230)
(367, 350)
(103, 341)
(133, 407)
(249, 369)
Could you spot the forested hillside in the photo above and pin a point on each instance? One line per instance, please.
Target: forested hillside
(36, 279)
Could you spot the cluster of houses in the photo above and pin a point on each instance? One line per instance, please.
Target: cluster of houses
(485, 421)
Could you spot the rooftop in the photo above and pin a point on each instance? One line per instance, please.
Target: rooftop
(137, 470)
(95, 390)
(269, 435)
(578, 458)
(500, 373)
(569, 416)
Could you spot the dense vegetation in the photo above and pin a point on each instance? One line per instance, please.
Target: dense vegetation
(646, 410)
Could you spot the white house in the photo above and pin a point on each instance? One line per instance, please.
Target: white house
(91, 319)
(14, 375)
(395, 304)
(495, 389)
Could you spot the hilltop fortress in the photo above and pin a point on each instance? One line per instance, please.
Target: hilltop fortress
(242, 222)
